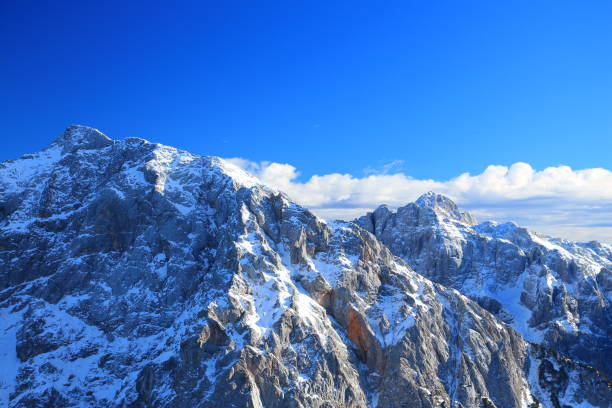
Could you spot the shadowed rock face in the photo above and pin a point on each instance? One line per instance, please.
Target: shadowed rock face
(134, 274)
(552, 291)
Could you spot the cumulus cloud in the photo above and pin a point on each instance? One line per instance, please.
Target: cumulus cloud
(560, 201)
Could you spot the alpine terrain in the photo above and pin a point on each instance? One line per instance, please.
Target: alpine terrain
(552, 291)
(134, 274)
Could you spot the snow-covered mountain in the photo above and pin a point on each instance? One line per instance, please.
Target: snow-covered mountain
(137, 275)
(554, 292)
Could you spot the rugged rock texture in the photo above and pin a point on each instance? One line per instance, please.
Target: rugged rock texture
(554, 292)
(133, 274)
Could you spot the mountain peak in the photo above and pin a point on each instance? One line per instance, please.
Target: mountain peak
(77, 137)
(444, 206)
(432, 200)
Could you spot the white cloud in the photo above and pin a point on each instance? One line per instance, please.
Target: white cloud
(560, 201)
(394, 166)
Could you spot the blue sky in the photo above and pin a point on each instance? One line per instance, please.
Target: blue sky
(426, 89)
(446, 87)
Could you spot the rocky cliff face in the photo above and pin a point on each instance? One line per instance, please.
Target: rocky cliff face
(134, 274)
(553, 292)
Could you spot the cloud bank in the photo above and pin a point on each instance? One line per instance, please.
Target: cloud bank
(559, 201)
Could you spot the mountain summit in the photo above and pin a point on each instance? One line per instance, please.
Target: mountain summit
(134, 274)
(445, 208)
(82, 137)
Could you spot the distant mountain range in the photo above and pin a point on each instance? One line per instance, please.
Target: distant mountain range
(134, 274)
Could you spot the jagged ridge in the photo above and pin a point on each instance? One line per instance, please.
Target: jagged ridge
(136, 274)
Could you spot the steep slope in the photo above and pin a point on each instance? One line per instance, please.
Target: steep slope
(552, 291)
(134, 274)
